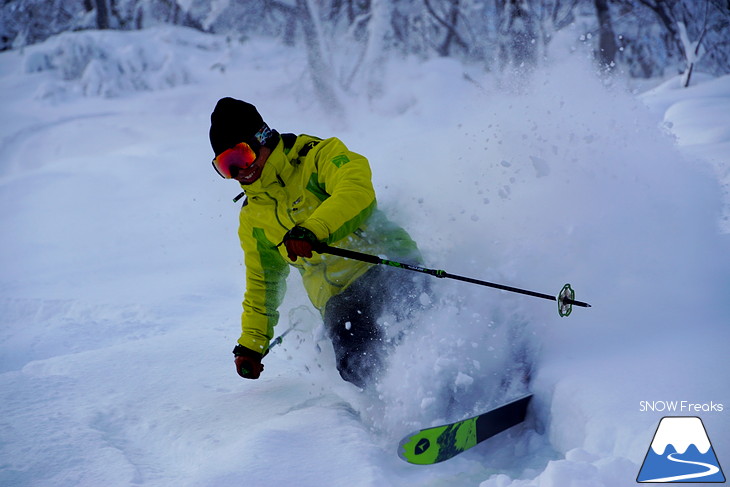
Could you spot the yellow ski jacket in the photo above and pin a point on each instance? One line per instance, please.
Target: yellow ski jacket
(323, 186)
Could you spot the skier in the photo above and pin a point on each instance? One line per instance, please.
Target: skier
(301, 191)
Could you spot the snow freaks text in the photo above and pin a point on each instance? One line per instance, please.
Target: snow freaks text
(680, 407)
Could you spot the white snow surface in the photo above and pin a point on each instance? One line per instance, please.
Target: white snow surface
(122, 275)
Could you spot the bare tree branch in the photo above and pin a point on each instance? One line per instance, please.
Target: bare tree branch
(450, 27)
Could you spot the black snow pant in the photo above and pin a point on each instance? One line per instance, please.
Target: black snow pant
(351, 319)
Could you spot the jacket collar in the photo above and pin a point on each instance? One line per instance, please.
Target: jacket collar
(275, 173)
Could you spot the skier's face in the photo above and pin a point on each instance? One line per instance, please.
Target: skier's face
(252, 173)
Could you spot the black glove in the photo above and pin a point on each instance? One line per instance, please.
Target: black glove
(300, 242)
(248, 362)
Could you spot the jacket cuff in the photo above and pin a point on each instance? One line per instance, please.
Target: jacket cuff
(241, 351)
(317, 228)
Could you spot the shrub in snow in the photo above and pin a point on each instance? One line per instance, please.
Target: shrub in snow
(110, 63)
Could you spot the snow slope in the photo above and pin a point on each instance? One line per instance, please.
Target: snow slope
(122, 278)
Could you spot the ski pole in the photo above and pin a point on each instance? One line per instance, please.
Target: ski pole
(277, 341)
(565, 298)
(299, 324)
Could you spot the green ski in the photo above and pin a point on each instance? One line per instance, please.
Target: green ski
(439, 443)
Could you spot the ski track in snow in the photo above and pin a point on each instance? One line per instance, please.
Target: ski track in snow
(122, 276)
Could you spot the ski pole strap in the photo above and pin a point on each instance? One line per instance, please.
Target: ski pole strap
(566, 297)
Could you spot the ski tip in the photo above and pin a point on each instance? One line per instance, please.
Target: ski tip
(403, 453)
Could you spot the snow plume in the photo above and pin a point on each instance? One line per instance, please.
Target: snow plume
(565, 181)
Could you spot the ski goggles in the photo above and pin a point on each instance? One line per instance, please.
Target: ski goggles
(229, 162)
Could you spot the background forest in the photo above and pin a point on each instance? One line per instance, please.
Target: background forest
(347, 40)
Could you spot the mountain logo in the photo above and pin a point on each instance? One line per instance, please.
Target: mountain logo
(681, 452)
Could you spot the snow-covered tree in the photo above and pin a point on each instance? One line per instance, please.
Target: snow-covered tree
(644, 38)
(659, 35)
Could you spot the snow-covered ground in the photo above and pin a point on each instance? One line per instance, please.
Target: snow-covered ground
(122, 277)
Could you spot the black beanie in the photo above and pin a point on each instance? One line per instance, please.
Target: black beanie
(234, 121)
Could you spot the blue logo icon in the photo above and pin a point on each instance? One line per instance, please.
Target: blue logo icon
(681, 452)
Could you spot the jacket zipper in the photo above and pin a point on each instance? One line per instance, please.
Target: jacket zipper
(276, 211)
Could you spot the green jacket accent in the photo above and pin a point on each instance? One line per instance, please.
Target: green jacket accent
(328, 190)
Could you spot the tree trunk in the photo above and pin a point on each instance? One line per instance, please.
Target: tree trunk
(607, 49)
(449, 24)
(451, 34)
(319, 68)
(102, 14)
(663, 11)
(374, 59)
(518, 49)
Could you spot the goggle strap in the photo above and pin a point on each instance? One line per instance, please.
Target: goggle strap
(216, 169)
(263, 134)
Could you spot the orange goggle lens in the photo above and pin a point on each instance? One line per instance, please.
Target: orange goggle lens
(234, 159)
